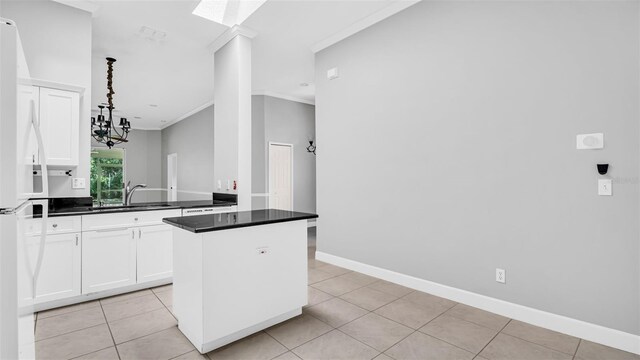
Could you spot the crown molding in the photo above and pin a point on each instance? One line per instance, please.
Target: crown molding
(228, 35)
(394, 8)
(187, 114)
(209, 103)
(283, 96)
(84, 5)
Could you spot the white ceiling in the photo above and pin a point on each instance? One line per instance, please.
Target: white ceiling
(176, 73)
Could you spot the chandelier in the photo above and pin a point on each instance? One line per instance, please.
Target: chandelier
(104, 129)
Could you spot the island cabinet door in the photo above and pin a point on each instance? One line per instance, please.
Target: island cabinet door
(155, 252)
(108, 259)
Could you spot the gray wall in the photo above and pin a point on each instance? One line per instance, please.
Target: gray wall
(294, 123)
(142, 163)
(192, 140)
(284, 121)
(258, 153)
(57, 45)
(452, 152)
(272, 119)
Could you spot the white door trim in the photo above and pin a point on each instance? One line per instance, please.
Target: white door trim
(275, 143)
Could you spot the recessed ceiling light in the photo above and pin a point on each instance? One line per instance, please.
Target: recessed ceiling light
(227, 12)
(163, 121)
(304, 84)
(153, 105)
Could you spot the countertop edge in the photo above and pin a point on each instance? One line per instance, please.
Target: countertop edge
(106, 211)
(235, 226)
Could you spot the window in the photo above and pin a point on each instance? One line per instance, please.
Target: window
(107, 176)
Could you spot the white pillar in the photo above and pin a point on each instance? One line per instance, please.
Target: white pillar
(232, 114)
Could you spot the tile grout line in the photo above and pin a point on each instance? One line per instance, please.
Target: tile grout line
(70, 312)
(575, 353)
(534, 343)
(441, 314)
(47, 339)
(493, 338)
(165, 306)
(332, 328)
(152, 333)
(110, 332)
(283, 345)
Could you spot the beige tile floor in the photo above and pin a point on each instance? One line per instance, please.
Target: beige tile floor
(349, 316)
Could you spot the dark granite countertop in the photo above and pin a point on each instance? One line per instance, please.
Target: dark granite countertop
(231, 220)
(84, 206)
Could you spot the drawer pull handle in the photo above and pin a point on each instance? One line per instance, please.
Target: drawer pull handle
(135, 219)
(55, 225)
(76, 240)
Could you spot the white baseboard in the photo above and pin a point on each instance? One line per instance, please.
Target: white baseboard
(581, 329)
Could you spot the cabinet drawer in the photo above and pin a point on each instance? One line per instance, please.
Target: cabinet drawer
(55, 225)
(126, 219)
(209, 210)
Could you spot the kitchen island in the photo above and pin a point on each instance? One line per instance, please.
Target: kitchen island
(237, 273)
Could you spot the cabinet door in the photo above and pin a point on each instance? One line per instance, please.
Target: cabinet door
(59, 275)
(155, 252)
(59, 122)
(108, 259)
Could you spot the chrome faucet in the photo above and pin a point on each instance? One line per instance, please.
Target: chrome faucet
(128, 192)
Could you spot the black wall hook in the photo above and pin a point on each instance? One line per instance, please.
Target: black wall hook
(603, 168)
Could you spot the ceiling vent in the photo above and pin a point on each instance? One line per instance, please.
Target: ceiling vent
(152, 34)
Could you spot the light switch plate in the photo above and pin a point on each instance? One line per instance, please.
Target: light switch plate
(604, 187)
(332, 73)
(78, 183)
(590, 141)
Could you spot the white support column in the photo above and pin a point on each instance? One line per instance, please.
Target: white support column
(232, 114)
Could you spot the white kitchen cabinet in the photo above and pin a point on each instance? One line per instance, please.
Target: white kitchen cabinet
(155, 252)
(108, 259)
(59, 275)
(59, 115)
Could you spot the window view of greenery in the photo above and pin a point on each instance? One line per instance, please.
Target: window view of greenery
(107, 176)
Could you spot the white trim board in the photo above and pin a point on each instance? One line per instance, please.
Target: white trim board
(85, 5)
(187, 114)
(57, 85)
(581, 329)
(283, 96)
(209, 103)
(228, 35)
(394, 8)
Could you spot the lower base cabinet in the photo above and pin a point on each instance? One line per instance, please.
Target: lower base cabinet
(108, 259)
(59, 275)
(155, 252)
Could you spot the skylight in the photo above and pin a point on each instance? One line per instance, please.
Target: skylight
(227, 12)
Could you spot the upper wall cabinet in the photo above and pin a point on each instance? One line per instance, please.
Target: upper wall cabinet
(59, 117)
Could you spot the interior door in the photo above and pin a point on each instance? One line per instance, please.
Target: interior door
(281, 176)
(172, 177)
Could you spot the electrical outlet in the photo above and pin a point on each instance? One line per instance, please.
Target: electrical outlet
(78, 183)
(604, 187)
(501, 276)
